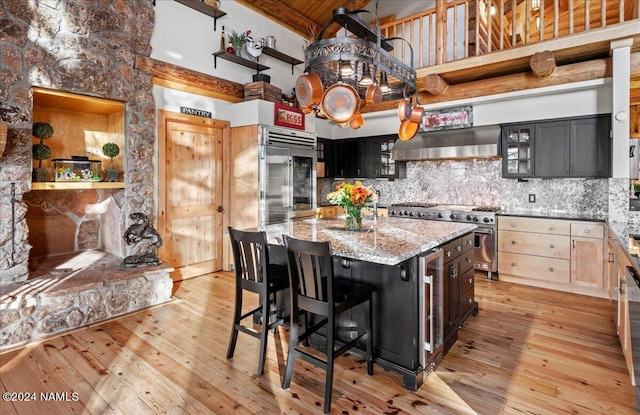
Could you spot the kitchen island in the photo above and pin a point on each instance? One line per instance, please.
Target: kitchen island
(405, 259)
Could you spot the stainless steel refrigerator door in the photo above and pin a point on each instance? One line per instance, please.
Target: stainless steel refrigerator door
(302, 182)
(276, 185)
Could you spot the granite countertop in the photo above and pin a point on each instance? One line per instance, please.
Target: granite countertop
(387, 241)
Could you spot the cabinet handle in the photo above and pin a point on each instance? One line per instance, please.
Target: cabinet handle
(551, 227)
(551, 269)
(470, 280)
(574, 243)
(513, 242)
(513, 264)
(459, 248)
(587, 231)
(551, 246)
(447, 253)
(513, 225)
(469, 300)
(622, 283)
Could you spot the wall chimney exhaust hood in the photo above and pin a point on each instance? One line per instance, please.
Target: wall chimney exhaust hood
(463, 143)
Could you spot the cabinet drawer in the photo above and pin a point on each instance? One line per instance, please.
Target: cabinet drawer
(587, 230)
(552, 246)
(467, 280)
(534, 267)
(537, 225)
(466, 302)
(466, 261)
(468, 242)
(452, 249)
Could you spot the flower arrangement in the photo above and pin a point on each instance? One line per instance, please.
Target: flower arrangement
(353, 197)
(239, 39)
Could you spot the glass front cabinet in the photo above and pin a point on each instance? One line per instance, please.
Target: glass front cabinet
(517, 145)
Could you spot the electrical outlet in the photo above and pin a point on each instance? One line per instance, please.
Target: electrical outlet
(532, 198)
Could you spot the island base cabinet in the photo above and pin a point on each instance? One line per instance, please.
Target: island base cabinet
(400, 315)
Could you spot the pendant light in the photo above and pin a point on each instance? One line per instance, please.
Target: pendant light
(366, 79)
(384, 84)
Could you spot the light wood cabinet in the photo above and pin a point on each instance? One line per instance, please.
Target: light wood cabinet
(553, 253)
(624, 332)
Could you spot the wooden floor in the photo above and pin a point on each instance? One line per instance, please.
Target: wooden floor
(529, 351)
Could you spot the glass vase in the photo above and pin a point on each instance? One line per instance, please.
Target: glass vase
(353, 219)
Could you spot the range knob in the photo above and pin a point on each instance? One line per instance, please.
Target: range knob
(485, 220)
(410, 213)
(405, 213)
(468, 217)
(419, 214)
(439, 215)
(475, 218)
(452, 216)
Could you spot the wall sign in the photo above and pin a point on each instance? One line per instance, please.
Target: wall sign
(195, 111)
(286, 116)
(447, 119)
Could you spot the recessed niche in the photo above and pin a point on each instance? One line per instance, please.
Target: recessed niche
(82, 125)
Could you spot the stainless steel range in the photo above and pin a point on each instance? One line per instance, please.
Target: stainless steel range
(486, 249)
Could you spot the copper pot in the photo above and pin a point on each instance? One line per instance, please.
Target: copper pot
(373, 95)
(408, 129)
(416, 114)
(357, 121)
(404, 109)
(308, 90)
(340, 102)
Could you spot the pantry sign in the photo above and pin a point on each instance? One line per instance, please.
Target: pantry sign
(286, 116)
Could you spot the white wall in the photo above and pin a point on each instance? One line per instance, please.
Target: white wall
(185, 37)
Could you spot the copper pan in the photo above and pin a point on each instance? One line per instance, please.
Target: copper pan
(408, 129)
(404, 109)
(340, 102)
(308, 90)
(373, 95)
(357, 121)
(416, 114)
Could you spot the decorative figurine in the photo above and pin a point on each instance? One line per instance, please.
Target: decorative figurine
(139, 230)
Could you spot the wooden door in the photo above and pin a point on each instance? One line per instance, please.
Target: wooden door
(587, 262)
(190, 193)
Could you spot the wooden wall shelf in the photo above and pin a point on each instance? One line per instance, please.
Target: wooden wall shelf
(204, 8)
(281, 56)
(232, 57)
(76, 185)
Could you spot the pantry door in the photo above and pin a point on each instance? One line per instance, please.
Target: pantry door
(190, 192)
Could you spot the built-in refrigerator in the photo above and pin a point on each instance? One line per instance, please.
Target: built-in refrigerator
(287, 174)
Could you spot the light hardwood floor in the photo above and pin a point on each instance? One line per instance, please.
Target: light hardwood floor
(529, 351)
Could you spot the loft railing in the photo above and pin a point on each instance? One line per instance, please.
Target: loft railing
(459, 29)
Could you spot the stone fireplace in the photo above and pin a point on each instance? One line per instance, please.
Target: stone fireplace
(86, 47)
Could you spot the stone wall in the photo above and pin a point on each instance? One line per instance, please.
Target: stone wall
(85, 47)
(80, 46)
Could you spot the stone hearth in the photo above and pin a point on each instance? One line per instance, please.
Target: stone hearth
(84, 47)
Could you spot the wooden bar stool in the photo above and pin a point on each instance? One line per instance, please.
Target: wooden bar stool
(315, 290)
(254, 273)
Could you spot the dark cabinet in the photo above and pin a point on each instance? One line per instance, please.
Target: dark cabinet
(367, 157)
(575, 147)
(458, 285)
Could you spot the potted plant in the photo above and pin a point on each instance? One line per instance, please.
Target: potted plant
(111, 150)
(636, 190)
(238, 40)
(41, 151)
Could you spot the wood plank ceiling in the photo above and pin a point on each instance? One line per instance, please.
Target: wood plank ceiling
(303, 17)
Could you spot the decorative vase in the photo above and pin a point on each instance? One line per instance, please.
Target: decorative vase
(112, 175)
(353, 219)
(39, 174)
(238, 50)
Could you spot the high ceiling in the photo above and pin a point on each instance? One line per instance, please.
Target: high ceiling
(303, 17)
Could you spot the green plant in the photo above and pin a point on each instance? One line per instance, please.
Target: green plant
(636, 188)
(111, 150)
(239, 39)
(41, 151)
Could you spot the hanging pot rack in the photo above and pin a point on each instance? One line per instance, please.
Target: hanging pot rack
(323, 57)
